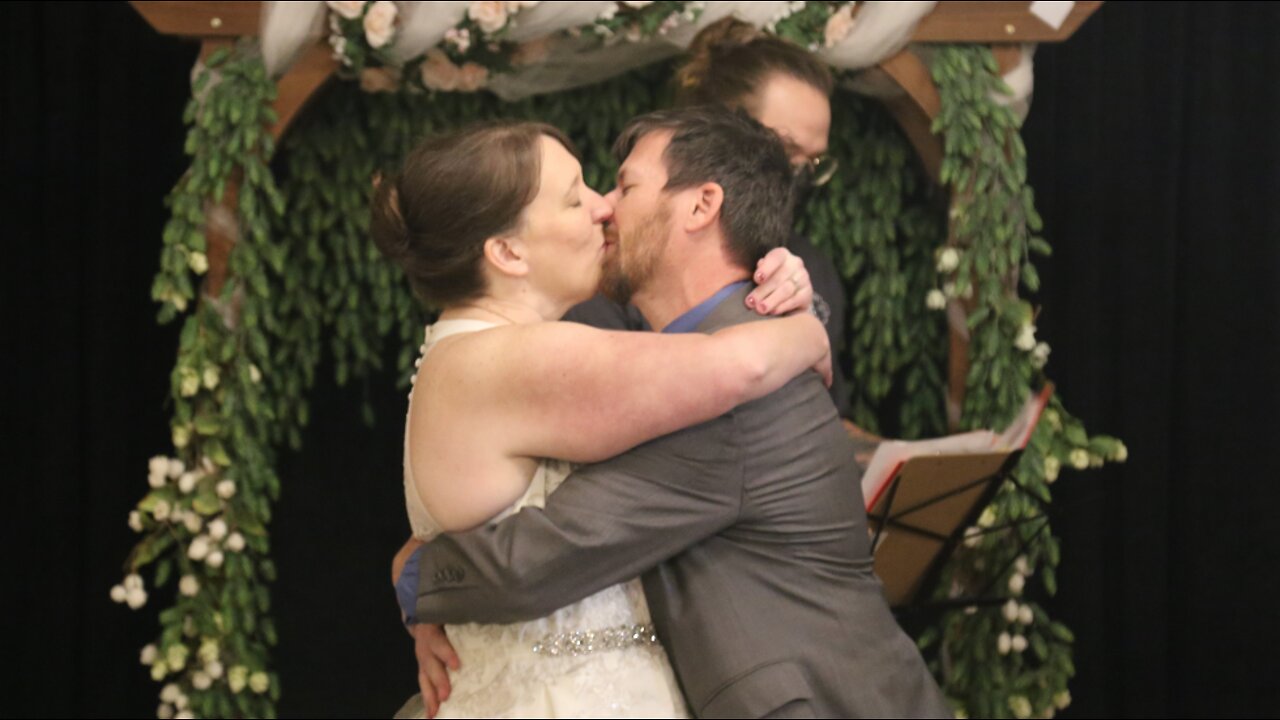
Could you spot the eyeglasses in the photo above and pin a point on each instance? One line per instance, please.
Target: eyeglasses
(817, 171)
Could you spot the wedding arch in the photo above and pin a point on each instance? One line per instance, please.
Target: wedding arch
(266, 262)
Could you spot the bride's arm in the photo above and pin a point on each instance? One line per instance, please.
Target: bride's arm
(567, 391)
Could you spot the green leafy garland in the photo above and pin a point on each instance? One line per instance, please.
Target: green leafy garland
(206, 515)
(982, 655)
(247, 359)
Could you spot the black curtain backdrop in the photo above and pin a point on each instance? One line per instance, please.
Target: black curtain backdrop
(1154, 153)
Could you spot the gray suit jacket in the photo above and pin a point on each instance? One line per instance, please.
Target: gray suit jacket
(751, 537)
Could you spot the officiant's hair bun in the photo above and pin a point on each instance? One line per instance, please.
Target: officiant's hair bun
(455, 191)
(730, 60)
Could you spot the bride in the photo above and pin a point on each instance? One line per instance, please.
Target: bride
(495, 224)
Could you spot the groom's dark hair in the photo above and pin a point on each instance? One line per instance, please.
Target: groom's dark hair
(746, 159)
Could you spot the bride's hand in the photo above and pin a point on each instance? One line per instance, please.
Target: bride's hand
(784, 284)
(435, 653)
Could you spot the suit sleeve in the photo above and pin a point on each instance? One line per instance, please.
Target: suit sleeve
(607, 523)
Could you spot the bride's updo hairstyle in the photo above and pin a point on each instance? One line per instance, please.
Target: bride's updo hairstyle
(729, 61)
(455, 191)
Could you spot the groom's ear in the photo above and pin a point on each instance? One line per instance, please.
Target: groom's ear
(708, 199)
(507, 254)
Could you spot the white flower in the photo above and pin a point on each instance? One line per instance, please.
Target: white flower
(179, 302)
(176, 655)
(1062, 700)
(1121, 453)
(226, 489)
(208, 651)
(1026, 340)
(169, 693)
(379, 23)
(159, 670)
(215, 559)
(254, 373)
(218, 529)
(193, 522)
(176, 468)
(972, 537)
(213, 669)
(971, 610)
(1020, 564)
(472, 77)
(164, 712)
(135, 521)
(1040, 355)
(1010, 610)
(190, 383)
(236, 677)
(1025, 615)
(199, 548)
(1053, 418)
(1095, 461)
(1017, 582)
(189, 585)
(235, 543)
(181, 436)
(156, 480)
(1003, 643)
(158, 465)
(1079, 458)
(259, 682)
(935, 300)
(459, 39)
(1052, 466)
(118, 593)
(1018, 644)
(948, 260)
(200, 680)
(184, 715)
(638, 3)
(133, 581)
(838, 26)
(610, 12)
(211, 377)
(349, 9)
(988, 517)
(490, 16)
(148, 655)
(187, 482)
(161, 511)
(198, 262)
(181, 702)
(1020, 706)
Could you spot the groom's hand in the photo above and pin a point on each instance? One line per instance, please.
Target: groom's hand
(434, 653)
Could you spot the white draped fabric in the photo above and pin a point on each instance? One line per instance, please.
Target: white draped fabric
(879, 30)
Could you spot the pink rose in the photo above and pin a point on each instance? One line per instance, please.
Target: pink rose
(839, 25)
(379, 23)
(472, 77)
(438, 72)
(490, 16)
(534, 51)
(349, 9)
(379, 80)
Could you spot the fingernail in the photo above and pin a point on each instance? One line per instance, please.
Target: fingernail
(751, 302)
(759, 277)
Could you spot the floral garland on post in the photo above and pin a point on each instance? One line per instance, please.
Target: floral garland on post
(205, 516)
(982, 656)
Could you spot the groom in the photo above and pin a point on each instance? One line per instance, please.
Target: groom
(749, 530)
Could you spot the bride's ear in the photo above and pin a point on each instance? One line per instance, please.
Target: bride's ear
(507, 254)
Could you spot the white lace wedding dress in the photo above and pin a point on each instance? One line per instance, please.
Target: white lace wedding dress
(595, 658)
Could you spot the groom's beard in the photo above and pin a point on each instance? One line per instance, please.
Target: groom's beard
(634, 260)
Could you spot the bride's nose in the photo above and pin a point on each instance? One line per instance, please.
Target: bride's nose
(601, 209)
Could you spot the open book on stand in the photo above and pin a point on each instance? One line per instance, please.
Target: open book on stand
(921, 494)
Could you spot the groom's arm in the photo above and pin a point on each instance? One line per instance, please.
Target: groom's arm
(607, 523)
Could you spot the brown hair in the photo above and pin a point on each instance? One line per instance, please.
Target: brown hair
(729, 61)
(710, 143)
(455, 191)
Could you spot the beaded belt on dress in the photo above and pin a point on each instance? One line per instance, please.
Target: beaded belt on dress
(589, 641)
